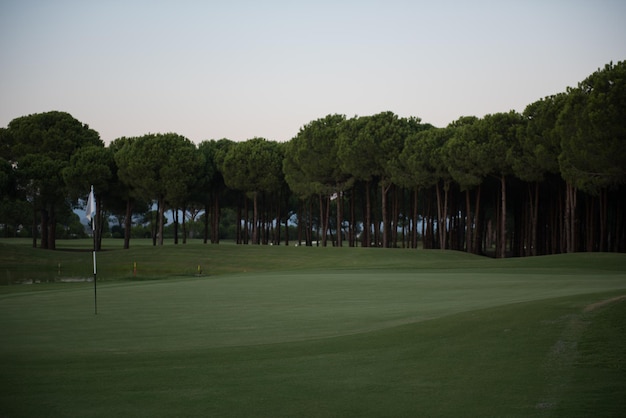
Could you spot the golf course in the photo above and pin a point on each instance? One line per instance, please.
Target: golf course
(272, 331)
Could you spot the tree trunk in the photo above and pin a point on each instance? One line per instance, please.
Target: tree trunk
(339, 218)
(215, 219)
(277, 235)
(604, 203)
(301, 221)
(128, 223)
(383, 190)
(367, 223)
(52, 228)
(352, 227)
(427, 224)
(206, 223)
(34, 227)
(309, 222)
(476, 246)
(239, 227)
(502, 241)
(442, 213)
(255, 218)
(468, 223)
(44, 228)
(616, 235)
(567, 219)
(287, 219)
(534, 220)
(446, 189)
(415, 220)
(154, 226)
(245, 220)
(395, 219)
(570, 218)
(324, 225)
(589, 231)
(558, 226)
(175, 216)
(161, 217)
(327, 220)
(184, 210)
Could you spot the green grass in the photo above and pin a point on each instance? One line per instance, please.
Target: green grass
(275, 331)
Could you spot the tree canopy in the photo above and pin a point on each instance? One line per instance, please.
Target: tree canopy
(548, 180)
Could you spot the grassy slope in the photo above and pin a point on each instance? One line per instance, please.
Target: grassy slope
(18, 261)
(313, 332)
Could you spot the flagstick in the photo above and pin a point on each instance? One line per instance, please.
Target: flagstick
(92, 215)
(95, 292)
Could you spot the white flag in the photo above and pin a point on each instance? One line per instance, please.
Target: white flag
(91, 205)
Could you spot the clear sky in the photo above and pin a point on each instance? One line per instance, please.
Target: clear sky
(239, 69)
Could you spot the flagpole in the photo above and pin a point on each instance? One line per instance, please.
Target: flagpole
(92, 215)
(95, 291)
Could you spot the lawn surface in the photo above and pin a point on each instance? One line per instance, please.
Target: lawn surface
(275, 331)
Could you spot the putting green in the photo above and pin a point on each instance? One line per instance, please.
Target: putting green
(263, 308)
(274, 332)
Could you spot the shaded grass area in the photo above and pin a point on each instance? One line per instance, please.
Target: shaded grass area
(491, 362)
(20, 263)
(19, 259)
(597, 379)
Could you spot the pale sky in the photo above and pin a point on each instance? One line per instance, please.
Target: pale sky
(240, 69)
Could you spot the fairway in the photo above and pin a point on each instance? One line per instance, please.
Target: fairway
(409, 334)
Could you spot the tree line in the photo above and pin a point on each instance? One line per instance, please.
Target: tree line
(548, 180)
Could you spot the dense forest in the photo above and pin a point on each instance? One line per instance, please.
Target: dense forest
(549, 180)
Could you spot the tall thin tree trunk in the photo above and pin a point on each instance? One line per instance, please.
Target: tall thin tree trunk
(352, 231)
(44, 228)
(175, 213)
(534, 220)
(323, 221)
(590, 224)
(154, 226)
(384, 189)
(604, 203)
(34, 227)
(395, 219)
(566, 220)
(215, 219)
(184, 225)
(161, 217)
(367, 224)
(446, 190)
(287, 219)
(442, 212)
(255, 219)
(309, 220)
(277, 237)
(246, 221)
(128, 223)
(206, 223)
(415, 218)
(477, 246)
(339, 218)
(439, 216)
(301, 221)
(570, 218)
(502, 241)
(468, 223)
(52, 228)
(239, 226)
(427, 239)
